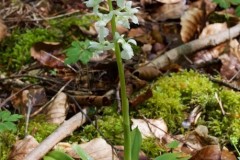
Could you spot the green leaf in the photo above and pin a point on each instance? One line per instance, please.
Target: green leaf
(4, 115)
(14, 117)
(222, 3)
(173, 144)
(78, 51)
(83, 155)
(170, 156)
(10, 126)
(237, 10)
(235, 2)
(48, 158)
(58, 155)
(3, 127)
(136, 140)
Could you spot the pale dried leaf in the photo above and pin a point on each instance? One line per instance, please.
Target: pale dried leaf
(170, 11)
(213, 29)
(97, 148)
(57, 109)
(22, 147)
(208, 4)
(190, 22)
(235, 48)
(208, 55)
(150, 127)
(3, 30)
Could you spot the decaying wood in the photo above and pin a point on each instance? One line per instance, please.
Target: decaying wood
(173, 55)
(98, 101)
(62, 132)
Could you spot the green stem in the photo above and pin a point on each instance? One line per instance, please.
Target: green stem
(124, 100)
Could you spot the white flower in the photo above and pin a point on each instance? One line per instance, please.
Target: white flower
(94, 4)
(100, 47)
(127, 52)
(125, 13)
(101, 25)
(120, 3)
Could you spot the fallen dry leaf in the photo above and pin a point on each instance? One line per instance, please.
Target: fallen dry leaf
(210, 152)
(208, 55)
(57, 109)
(191, 23)
(213, 29)
(147, 73)
(150, 127)
(97, 148)
(33, 97)
(48, 54)
(22, 147)
(169, 11)
(3, 30)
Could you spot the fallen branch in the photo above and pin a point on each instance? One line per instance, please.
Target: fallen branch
(63, 131)
(174, 54)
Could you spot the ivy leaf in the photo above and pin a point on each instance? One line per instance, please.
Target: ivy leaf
(223, 3)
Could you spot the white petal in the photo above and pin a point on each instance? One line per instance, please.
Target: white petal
(120, 3)
(134, 19)
(132, 41)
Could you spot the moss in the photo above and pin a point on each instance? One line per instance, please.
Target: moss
(225, 125)
(7, 139)
(109, 124)
(179, 93)
(15, 50)
(151, 147)
(172, 95)
(38, 128)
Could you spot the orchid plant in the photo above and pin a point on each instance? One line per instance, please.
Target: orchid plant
(122, 14)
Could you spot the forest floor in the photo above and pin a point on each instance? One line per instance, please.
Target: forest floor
(182, 83)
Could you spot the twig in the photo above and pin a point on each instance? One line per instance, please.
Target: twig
(235, 88)
(62, 132)
(174, 54)
(220, 103)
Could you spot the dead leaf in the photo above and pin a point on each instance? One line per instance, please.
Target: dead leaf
(169, 11)
(230, 66)
(22, 147)
(213, 29)
(147, 73)
(48, 54)
(141, 35)
(93, 100)
(150, 127)
(204, 56)
(97, 148)
(3, 30)
(34, 97)
(208, 5)
(210, 152)
(139, 99)
(57, 109)
(226, 155)
(191, 23)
